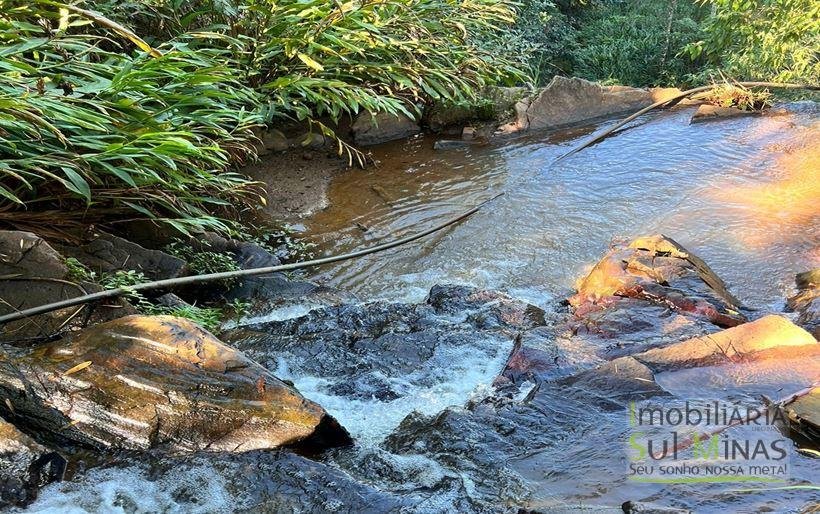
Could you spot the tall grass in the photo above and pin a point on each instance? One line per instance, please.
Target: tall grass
(87, 126)
(96, 123)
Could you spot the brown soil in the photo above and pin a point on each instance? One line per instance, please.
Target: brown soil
(296, 181)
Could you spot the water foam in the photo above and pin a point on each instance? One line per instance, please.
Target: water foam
(455, 374)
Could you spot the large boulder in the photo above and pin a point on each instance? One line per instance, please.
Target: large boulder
(569, 101)
(372, 129)
(806, 302)
(35, 274)
(25, 466)
(650, 292)
(143, 382)
(106, 253)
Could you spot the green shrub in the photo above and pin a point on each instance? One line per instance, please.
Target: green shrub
(636, 43)
(762, 39)
(98, 125)
(543, 35)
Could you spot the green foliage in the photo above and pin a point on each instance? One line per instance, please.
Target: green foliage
(315, 60)
(636, 42)
(730, 95)
(775, 40)
(78, 271)
(92, 126)
(544, 36)
(208, 317)
(201, 262)
(87, 125)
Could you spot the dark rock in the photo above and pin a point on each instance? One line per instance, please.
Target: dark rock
(364, 347)
(453, 144)
(107, 253)
(250, 482)
(527, 451)
(613, 381)
(496, 104)
(25, 466)
(648, 293)
(370, 129)
(35, 274)
(26, 254)
(160, 382)
(806, 302)
(804, 417)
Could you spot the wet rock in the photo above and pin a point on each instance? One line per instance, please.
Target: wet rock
(252, 482)
(610, 382)
(569, 101)
(769, 336)
(496, 104)
(707, 112)
(107, 253)
(804, 416)
(370, 129)
(807, 301)
(370, 350)
(650, 292)
(452, 144)
(144, 382)
(526, 451)
(25, 466)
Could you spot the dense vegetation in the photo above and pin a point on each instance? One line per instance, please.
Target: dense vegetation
(146, 108)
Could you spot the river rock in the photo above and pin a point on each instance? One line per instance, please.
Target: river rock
(650, 292)
(249, 482)
(707, 112)
(372, 129)
(569, 101)
(769, 337)
(35, 274)
(804, 416)
(107, 253)
(25, 466)
(807, 301)
(365, 348)
(143, 382)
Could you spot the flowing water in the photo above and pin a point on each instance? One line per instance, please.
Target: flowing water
(744, 194)
(741, 193)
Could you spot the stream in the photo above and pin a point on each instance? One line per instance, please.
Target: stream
(742, 193)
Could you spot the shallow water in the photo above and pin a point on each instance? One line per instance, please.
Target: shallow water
(742, 193)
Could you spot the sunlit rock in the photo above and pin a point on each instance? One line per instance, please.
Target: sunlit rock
(768, 337)
(650, 292)
(144, 382)
(25, 466)
(707, 112)
(807, 301)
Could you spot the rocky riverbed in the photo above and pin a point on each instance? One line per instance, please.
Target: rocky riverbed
(469, 401)
(460, 399)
